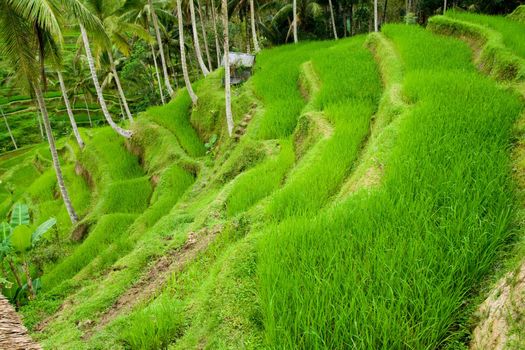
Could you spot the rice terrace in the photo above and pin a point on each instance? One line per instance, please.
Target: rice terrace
(287, 174)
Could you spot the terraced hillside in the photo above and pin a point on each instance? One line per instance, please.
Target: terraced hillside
(367, 200)
(22, 115)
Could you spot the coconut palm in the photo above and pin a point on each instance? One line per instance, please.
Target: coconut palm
(25, 28)
(204, 36)
(332, 18)
(161, 50)
(187, 81)
(196, 43)
(139, 12)
(215, 32)
(98, 89)
(256, 46)
(69, 110)
(8, 128)
(227, 88)
(117, 27)
(295, 22)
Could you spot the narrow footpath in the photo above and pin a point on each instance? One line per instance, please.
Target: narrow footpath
(13, 334)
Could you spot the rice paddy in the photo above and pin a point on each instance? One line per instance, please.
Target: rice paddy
(255, 242)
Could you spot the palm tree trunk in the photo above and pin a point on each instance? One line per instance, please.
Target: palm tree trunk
(161, 50)
(215, 33)
(40, 125)
(119, 86)
(8, 129)
(87, 109)
(187, 81)
(227, 88)
(332, 17)
(54, 155)
(444, 7)
(204, 36)
(256, 46)
(376, 24)
(122, 114)
(69, 111)
(157, 74)
(101, 100)
(12, 267)
(29, 281)
(198, 53)
(295, 40)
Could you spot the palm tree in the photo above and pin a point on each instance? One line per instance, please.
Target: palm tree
(8, 128)
(157, 74)
(116, 26)
(161, 50)
(21, 23)
(215, 33)
(295, 40)
(187, 81)
(204, 36)
(256, 46)
(140, 12)
(227, 88)
(98, 89)
(196, 43)
(332, 18)
(69, 111)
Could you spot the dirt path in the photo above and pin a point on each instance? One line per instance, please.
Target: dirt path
(156, 277)
(13, 334)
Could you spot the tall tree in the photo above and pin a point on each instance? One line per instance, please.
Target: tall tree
(161, 49)
(98, 89)
(8, 128)
(196, 43)
(256, 46)
(69, 110)
(215, 32)
(157, 73)
(204, 36)
(332, 18)
(227, 87)
(295, 20)
(187, 81)
(119, 85)
(22, 27)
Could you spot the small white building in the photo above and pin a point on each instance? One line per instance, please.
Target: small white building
(241, 66)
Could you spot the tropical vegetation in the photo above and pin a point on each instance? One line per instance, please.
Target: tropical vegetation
(361, 185)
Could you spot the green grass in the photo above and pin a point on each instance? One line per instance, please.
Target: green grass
(491, 54)
(128, 196)
(512, 31)
(393, 268)
(259, 182)
(518, 14)
(155, 326)
(175, 117)
(349, 110)
(290, 262)
(108, 229)
(276, 84)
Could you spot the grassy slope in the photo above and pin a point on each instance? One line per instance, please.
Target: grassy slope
(283, 263)
(511, 319)
(384, 261)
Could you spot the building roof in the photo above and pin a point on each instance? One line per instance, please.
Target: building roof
(241, 59)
